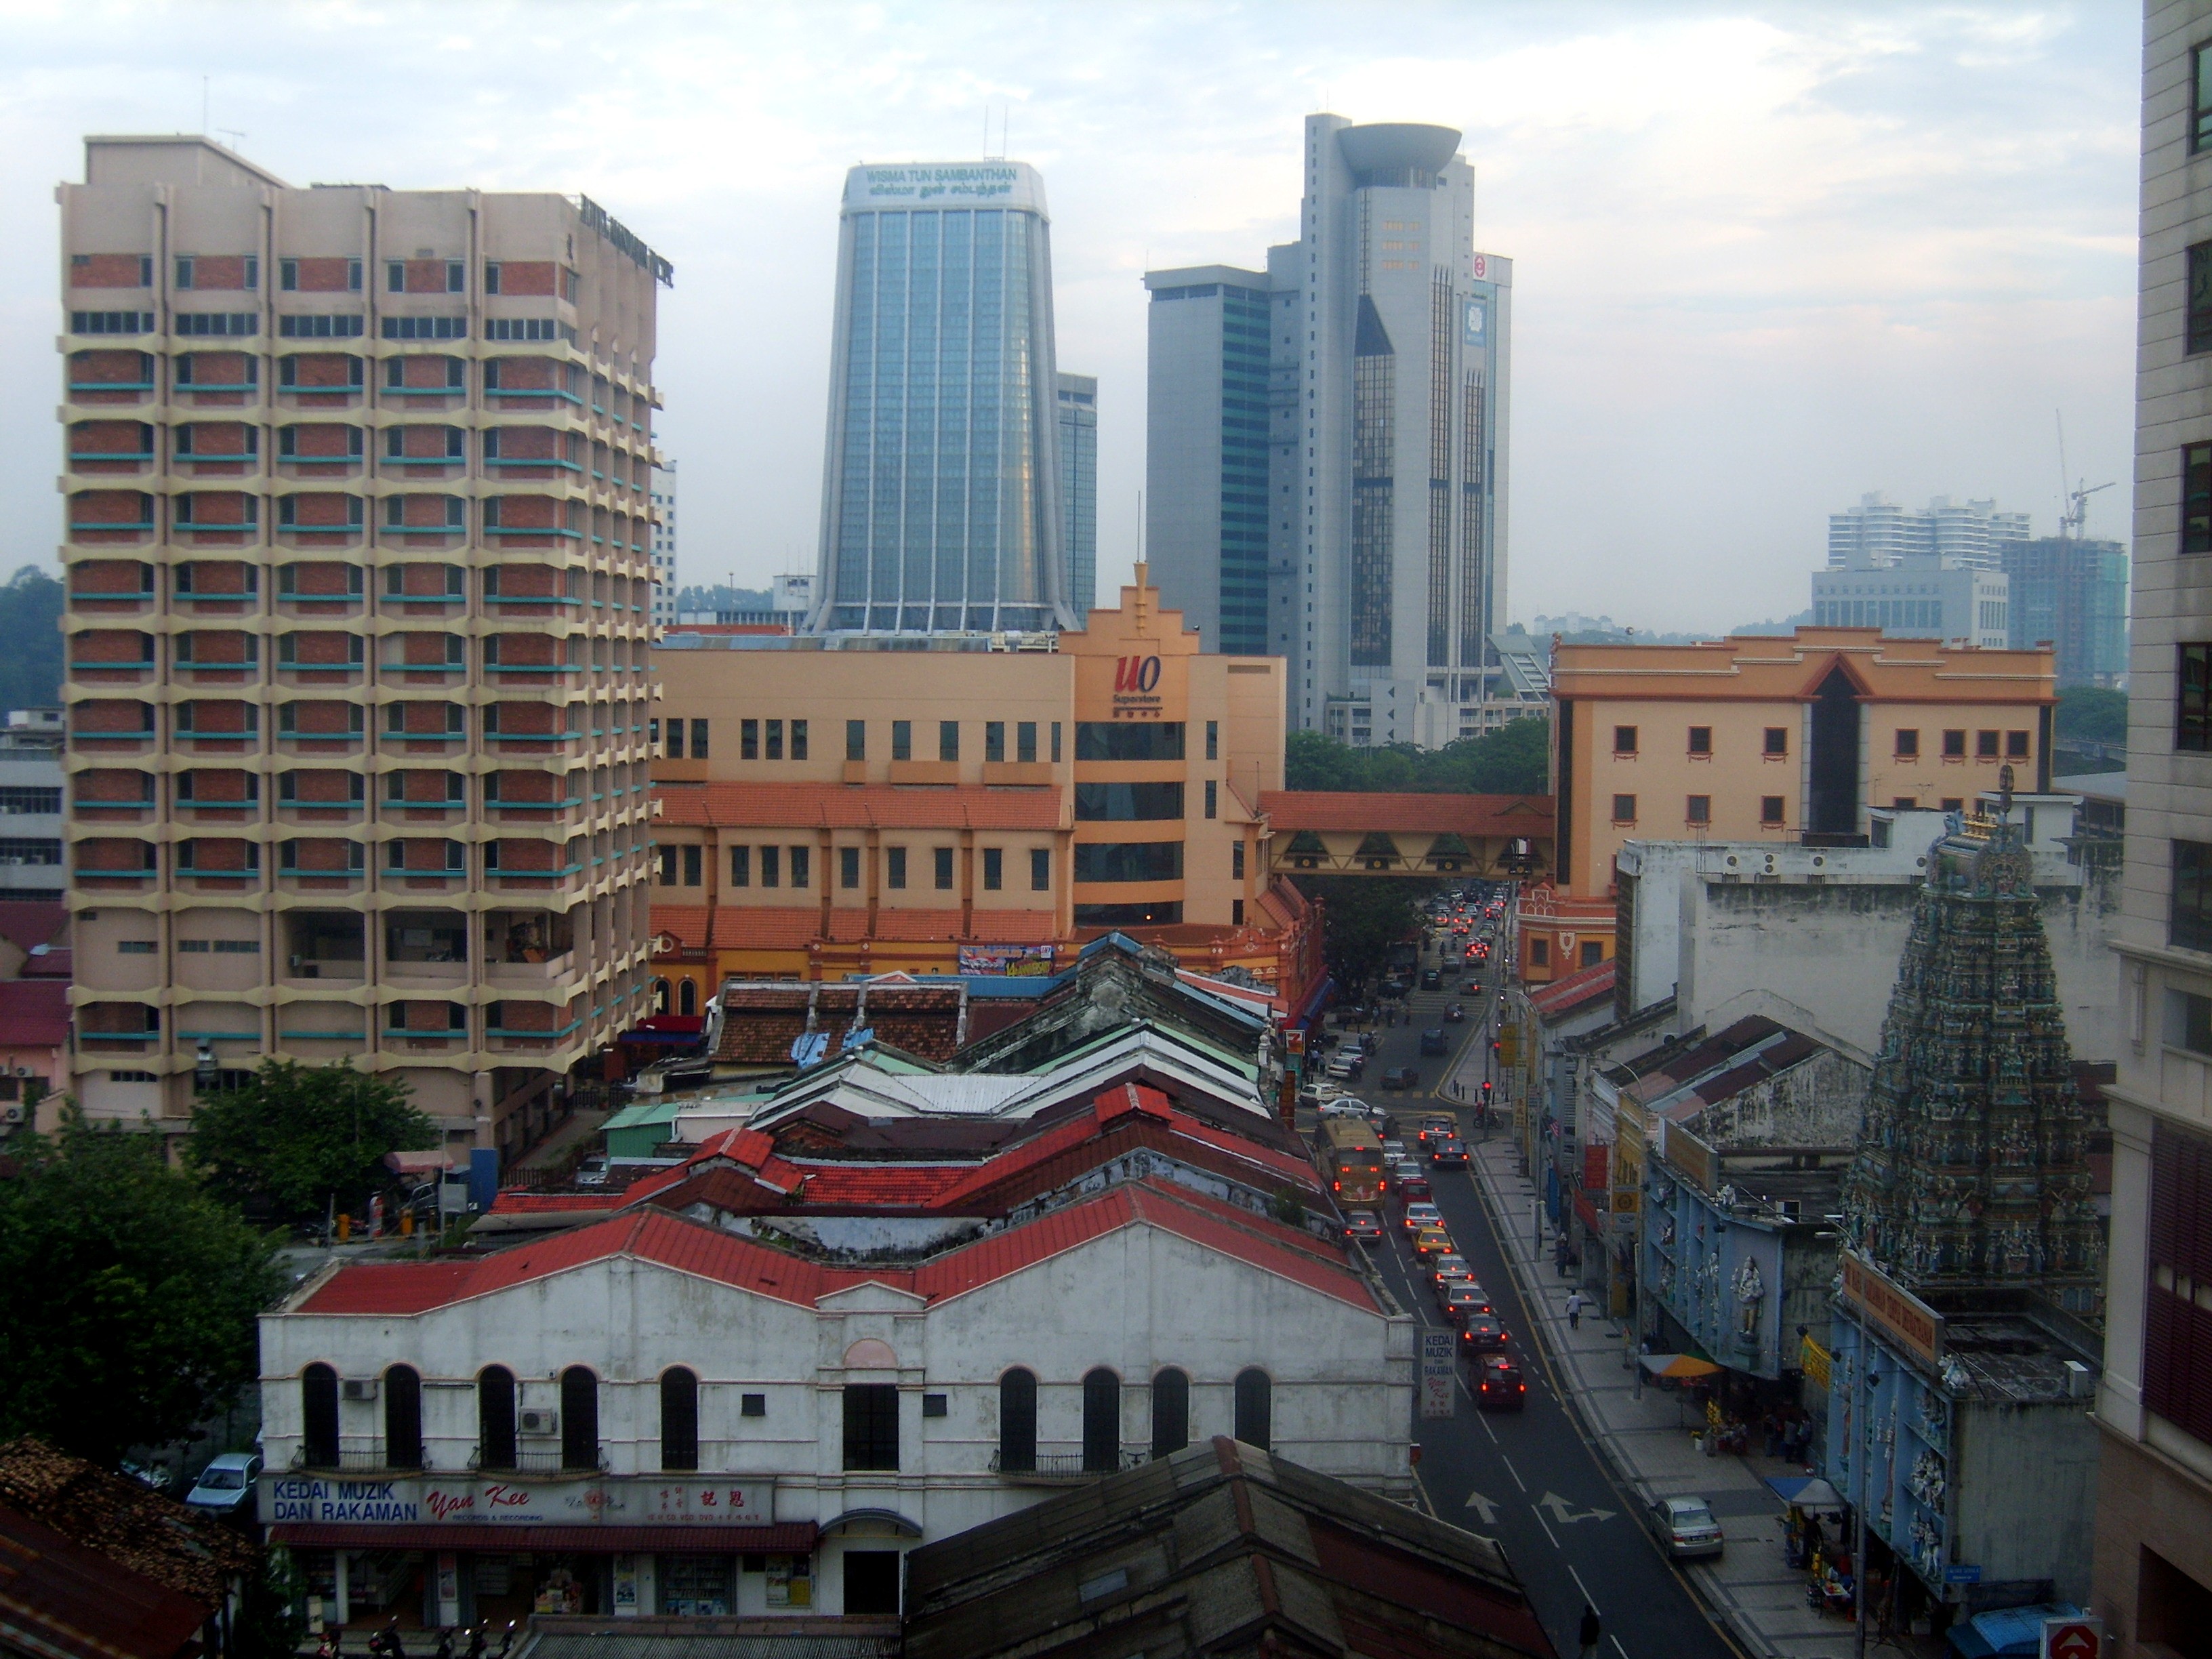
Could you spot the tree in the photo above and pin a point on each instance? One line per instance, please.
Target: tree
(1513, 760)
(30, 620)
(128, 1292)
(1362, 917)
(2090, 714)
(297, 1139)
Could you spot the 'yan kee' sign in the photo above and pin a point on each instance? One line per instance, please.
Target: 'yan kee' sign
(430, 1499)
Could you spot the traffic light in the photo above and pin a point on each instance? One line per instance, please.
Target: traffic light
(1486, 1089)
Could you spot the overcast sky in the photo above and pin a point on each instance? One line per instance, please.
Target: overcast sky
(1768, 257)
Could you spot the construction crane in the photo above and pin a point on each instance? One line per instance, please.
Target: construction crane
(2074, 514)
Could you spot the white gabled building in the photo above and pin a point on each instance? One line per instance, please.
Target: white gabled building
(654, 1415)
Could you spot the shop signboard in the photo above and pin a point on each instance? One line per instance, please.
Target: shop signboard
(1437, 1375)
(434, 1499)
(2075, 1636)
(1905, 1321)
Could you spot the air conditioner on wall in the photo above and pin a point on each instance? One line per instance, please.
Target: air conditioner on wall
(11, 1113)
(358, 1388)
(538, 1422)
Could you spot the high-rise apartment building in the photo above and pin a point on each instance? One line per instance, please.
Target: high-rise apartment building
(1078, 489)
(358, 498)
(1206, 447)
(1878, 532)
(2154, 1553)
(2072, 591)
(664, 545)
(1384, 549)
(940, 509)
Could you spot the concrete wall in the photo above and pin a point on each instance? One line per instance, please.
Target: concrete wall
(2014, 1525)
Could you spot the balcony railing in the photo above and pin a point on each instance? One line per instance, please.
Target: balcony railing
(356, 1458)
(1063, 1469)
(543, 1464)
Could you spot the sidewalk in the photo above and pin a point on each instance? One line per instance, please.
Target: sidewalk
(1648, 1443)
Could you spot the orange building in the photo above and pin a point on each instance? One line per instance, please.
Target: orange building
(1765, 739)
(837, 806)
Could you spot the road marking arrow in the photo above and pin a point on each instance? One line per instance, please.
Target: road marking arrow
(1566, 1514)
(1475, 1500)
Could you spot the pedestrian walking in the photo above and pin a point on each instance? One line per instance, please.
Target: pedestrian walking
(1590, 1629)
(1576, 1303)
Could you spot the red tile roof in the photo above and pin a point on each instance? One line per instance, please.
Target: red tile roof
(858, 806)
(27, 923)
(653, 1235)
(34, 1014)
(69, 1600)
(1584, 985)
(1291, 810)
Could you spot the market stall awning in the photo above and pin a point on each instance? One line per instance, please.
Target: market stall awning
(1806, 1491)
(1681, 1366)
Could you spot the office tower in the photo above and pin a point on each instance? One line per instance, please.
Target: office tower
(1922, 596)
(1207, 451)
(940, 496)
(358, 486)
(2072, 591)
(1078, 489)
(2154, 1553)
(1878, 532)
(1384, 550)
(664, 545)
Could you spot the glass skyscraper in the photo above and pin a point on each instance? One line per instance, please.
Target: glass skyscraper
(940, 509)
(1078, 489)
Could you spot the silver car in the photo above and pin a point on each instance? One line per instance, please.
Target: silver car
(1685, 1528)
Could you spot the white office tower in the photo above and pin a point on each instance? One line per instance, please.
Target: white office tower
(664, 545)
(1878, 532)
(1383, 532)
(940, 509)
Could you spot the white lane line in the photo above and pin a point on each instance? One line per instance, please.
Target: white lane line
(1516, 1473)
(1548, 1533)
(1587, 1599)
(1616, 1648)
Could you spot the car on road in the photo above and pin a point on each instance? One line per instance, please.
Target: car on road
(1450, 1266)
(1484, 1333)
(1447, 1154)
(1432, 1041)
(1402, 1077)
(1430, 979)
(1364, 1225)
(1455, 1014)
(1418, 1216)
(1347, 1065)
(1499, 1386)
(1685, 1527)
(1434, 1128)
(1414, 1186)
(1392, 1147)
(225, 1486)
(1465, 1299)
(1473, 985)
(1432, 1241)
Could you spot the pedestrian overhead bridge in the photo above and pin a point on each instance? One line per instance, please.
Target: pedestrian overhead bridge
(1327, 832)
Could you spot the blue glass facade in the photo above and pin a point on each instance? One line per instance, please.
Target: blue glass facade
(941, 509)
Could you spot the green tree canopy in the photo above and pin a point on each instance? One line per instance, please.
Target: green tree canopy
(297, 1138)
(1513, 760)
(30, 620)
(1362, 917)
(2090, 714)
(128, 1292)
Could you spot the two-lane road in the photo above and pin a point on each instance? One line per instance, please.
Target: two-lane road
(1528, 1477)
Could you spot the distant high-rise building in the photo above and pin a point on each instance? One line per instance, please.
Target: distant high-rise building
(1206, 452)
(1380, 535)
(1078, 488)
(1919, 597)
(1878, 532)
(2073, 592)
(940, 509)
(664, 545)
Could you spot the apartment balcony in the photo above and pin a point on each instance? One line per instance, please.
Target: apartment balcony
(1063, 1469)
(324, 970)
(531, 975)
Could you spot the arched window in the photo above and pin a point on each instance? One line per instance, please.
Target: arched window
(1171, 1412)
(687, 997)
(403, 1418)
(1018, 1421)
(495, 1417)
(1255, 1407)
(679, 1418)
(319, 1416)
(1102, 1422)
(660, 996)
(579, 1418)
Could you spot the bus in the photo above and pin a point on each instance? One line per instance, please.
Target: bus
(1352, 1162)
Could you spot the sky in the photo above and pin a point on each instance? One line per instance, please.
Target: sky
(1768, 257)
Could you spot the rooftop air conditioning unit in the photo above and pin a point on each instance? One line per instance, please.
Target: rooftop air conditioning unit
(539, 1423)
(358, 1388)
(11, 1113)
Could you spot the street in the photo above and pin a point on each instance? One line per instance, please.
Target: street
(1529, 1479)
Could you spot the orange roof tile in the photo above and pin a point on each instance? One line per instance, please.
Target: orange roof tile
(1291, 810)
